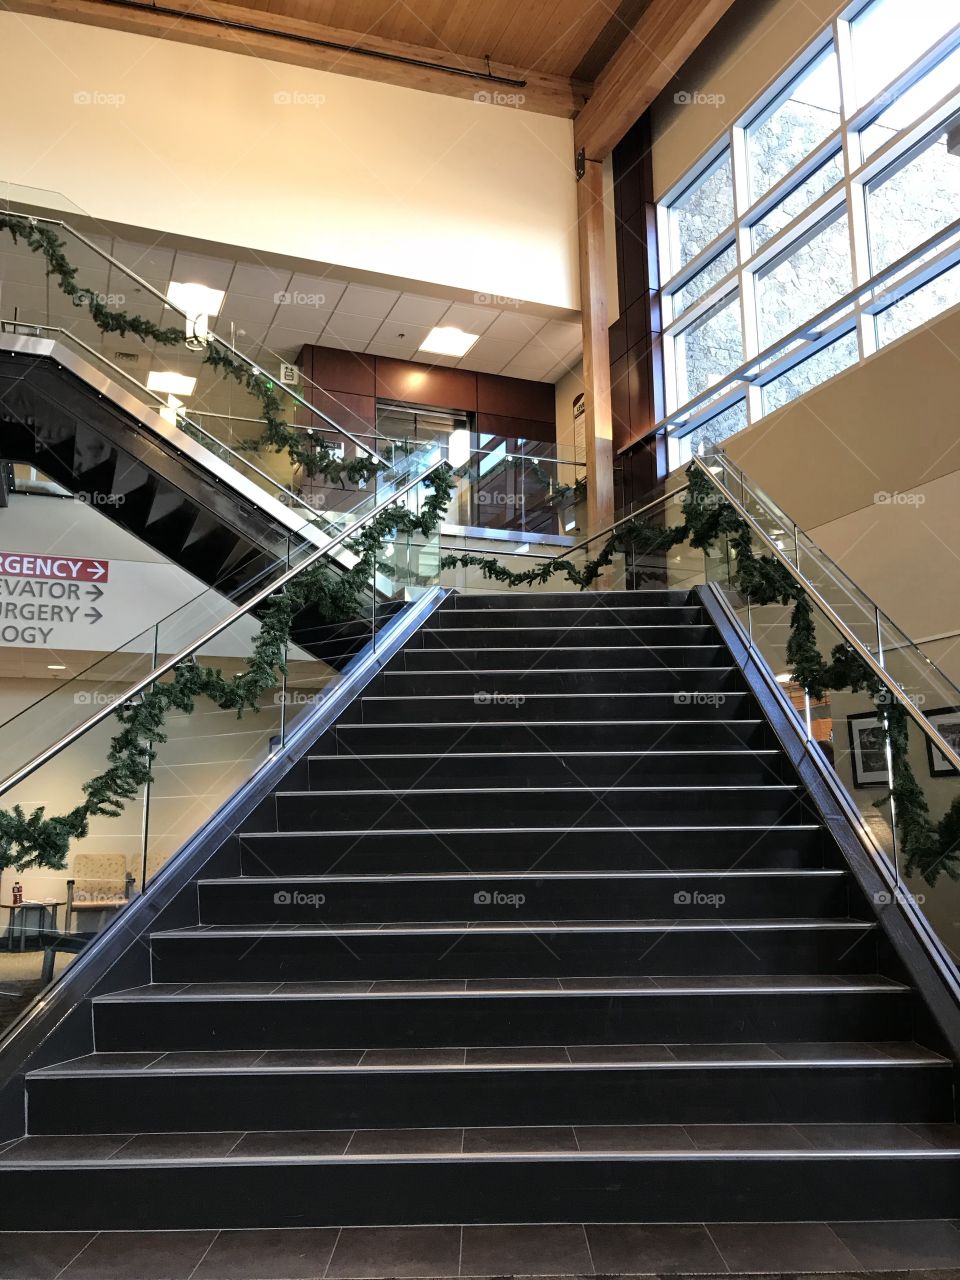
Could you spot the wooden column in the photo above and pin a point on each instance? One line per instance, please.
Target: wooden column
(596, 349)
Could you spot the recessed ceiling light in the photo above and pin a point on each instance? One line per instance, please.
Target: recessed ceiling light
(168, 383)
(448, 340)
(195, 299)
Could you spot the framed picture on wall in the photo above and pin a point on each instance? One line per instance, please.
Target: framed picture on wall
(868, 751)
(947, 720)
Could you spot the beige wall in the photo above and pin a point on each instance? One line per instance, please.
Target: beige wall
(869, 465)
(347, 172)
(750, 48)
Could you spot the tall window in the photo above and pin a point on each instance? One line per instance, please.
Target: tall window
(823, 225)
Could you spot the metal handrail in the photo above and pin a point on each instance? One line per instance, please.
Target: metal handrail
(215, 445)
(162, 668)
(925, 725)
(657, 502)
(145, 284)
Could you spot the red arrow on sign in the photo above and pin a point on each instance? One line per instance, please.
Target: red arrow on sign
(23, 564)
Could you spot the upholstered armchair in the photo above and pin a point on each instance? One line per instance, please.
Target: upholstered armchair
(100, 883)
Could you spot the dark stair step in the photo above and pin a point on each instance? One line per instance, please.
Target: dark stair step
(464, 709)
(504, 850)
(560, 895)
(578, 613)
(522, 600)
(493, 684)
(591, 1173)
(529, 947)
(543, 637)
(572, 1011)
(563, 656)
(538, 806)
(511, 734)
(499, 1085)
(584, 768)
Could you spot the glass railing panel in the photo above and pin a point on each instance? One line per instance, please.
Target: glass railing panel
(927, 868)
(205, 755)
(185, 376)
(922, 682)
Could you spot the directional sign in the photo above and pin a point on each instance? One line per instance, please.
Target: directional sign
(21, 564)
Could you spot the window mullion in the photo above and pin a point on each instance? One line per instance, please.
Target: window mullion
(748, 310)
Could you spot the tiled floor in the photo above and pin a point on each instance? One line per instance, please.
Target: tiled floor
(919, 1250)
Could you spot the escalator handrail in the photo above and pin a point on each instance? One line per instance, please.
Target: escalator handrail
(167, 665)
(145, 284)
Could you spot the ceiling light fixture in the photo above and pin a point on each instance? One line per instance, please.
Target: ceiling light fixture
(198, 302)
(448, 340)
(56, 666)
(168, 383)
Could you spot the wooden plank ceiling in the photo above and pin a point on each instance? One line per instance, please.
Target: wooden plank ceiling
(542, 55)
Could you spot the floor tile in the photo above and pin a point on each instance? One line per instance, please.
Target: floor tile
(223, 1060)
(178, 1146)
(633, 1137)
(396, 1252)
(141, 1255)
(74, 1147)
(309, 1142)
(511, 1055)
(901, 1244)
(723, 1052)
(404, 1141)
(659, 1249)
(39, 1255)
(525, 1250)
(519, 1138)
(747, 1137)
(307, 1058)
(412, 1057)
(781, 1246)
(293, 1254)
(627, 1053)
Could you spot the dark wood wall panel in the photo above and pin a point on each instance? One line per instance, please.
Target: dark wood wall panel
(635, 345)
(351, 385)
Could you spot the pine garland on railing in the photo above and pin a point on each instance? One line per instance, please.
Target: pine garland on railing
(33, 839)
(314, 456)
(928, 848)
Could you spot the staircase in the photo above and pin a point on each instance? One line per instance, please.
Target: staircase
(545, 930)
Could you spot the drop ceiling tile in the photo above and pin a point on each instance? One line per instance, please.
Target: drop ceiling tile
(195, 268)
(423, 357)
(412, 309)
(471, 319)
(152, 261)
(530, 365)
(351, 328)
(315, 291)
(258, 281)
(514, 326)
(389, 334)
(490, 349)
(282, 337)
(560, 336)
(363, 300)
(483, 364)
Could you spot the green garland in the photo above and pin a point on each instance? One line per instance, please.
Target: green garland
(928, 848)
(33, 839)
(313, 456)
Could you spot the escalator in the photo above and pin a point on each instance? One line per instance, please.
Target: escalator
(84, 406)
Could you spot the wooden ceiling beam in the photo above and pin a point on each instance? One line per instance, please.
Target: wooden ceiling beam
(665, 35)
(287, 40)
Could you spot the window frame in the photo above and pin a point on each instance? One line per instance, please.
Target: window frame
(849, 195)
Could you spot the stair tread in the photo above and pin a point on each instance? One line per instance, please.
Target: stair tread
(497, 1058)
(469, 876)
(617, 828)
(498, 988)
(582, 1142)
(639, 754)
(699, 924)
(455, 789)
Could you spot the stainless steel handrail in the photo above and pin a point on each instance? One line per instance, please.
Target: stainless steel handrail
(162, 668)
(215, 445)
(145, 284)
(852, 639)
(657, 502)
